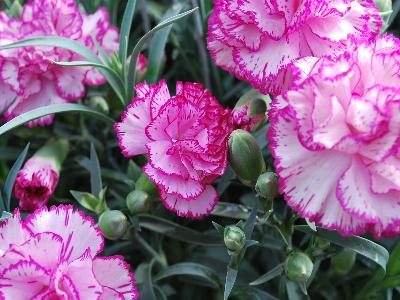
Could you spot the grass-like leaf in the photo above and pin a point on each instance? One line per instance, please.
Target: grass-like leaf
(9, 184)
(360, 245)
(48, 110)
(142, 41)
(192, 269)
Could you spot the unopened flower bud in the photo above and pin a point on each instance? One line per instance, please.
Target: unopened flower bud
(113, 224)
(343, 262)
(100, 104)
(138, 202)
(36, 181)
(299, 267)
(267, 185)
(245, 155)
(234, 238)
(145, 184)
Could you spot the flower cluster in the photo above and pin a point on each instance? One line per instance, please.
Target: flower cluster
(335, 139)
(28, 78)
(53, 254)
(257, 39)
(185, 137)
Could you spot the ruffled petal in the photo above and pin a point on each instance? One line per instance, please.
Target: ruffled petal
(43, 248)
(194, 208)
(69, 82)
(114, 274)
(66, 222)
(131, 130)
(13, 232)
(174, 184)
(23, 280)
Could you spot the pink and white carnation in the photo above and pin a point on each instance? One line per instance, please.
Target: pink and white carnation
(28, 78)
(185, 137)
(335, 138)
(35, 183)
(53, 254)
(257, 39)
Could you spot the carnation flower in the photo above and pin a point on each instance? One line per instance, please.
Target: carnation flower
(54, 255)
(28, 78)
(335, 139)
(36, 181)
(185, 137)
(256, 39)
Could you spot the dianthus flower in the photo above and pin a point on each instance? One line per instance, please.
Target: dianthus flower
(53, 255)
(185, 137)
(256, 39)
(28, 78)
(335, 139)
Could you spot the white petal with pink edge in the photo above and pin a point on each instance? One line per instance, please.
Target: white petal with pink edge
(173, 184)
(113, 273)
(192, 208)
(131, 129)
(68, 223)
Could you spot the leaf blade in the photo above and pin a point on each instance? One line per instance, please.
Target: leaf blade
(358, 244)
(48, 110)
(12, 175)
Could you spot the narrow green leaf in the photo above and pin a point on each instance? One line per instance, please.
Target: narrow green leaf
(148, 287)
(73, 46)
(293, 291)
(393, 266)
(82, 63)
(126, 25)
(9, 184)
(87, 200)
(4, 216)
(251, 221)
(178, 232)
(158, 43)
(362, 246)
(271, 274)
(192, 269)
(142, 41)
(95, 172)
(218, 228)
(48, 110)
(231, 275)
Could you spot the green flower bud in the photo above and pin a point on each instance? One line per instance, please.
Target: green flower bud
(245, 155)
(113, 224)
(343, 262)
(321, 243)
(255, 96)
(100, 104)
(234, 238)
(138, 202)
(145, 184)
(55, 150)
(299, 267)
(267, 185)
